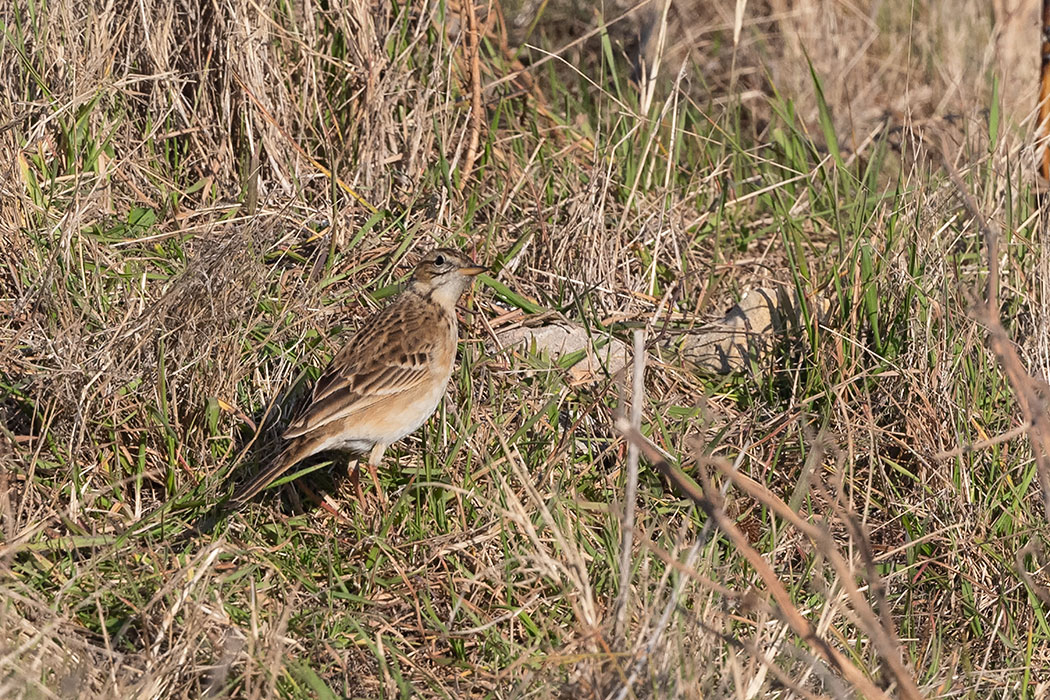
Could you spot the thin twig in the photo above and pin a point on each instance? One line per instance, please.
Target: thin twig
(473, 43)
(1028, 391)
(788, 611)
(631, 492)
(671, 605)
(981, 444)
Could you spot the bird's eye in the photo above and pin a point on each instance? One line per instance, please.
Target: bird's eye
(439, 260)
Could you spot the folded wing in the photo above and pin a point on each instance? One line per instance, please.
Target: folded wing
(359, 376)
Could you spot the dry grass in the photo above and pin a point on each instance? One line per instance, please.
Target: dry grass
(200, 199)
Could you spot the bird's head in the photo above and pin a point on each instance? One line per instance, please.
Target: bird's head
(445, 273)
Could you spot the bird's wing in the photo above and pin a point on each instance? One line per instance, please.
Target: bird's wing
(391, 354)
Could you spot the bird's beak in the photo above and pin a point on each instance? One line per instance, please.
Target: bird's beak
(473, 271)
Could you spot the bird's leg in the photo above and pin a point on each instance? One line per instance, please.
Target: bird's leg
(374, 458)
(354, 470)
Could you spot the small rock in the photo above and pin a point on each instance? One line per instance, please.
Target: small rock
(602, 356)
(748, 332)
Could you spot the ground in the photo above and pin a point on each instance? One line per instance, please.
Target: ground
(200, 203)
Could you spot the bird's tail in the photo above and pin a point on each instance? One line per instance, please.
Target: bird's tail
(295, 452)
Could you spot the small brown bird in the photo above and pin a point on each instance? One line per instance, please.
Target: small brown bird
(387, 380)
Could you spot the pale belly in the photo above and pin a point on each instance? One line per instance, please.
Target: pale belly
(417, 413)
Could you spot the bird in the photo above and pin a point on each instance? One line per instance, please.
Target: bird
(388, 378)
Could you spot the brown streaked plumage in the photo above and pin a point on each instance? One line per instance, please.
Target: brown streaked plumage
(388, 378)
